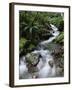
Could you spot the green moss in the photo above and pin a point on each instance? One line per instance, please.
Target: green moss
(31, 46)
(22, 42)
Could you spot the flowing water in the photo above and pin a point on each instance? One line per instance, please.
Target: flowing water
(54, 32)
(46, 66)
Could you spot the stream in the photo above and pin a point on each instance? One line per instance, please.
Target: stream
(46, 66)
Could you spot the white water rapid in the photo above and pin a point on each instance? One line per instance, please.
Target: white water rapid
(46, 66)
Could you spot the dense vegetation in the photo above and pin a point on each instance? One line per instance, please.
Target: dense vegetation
(35, 27)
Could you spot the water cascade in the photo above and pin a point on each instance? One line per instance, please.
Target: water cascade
(46, 66)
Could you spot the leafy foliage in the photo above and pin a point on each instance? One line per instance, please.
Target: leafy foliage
(35, 27)
(60, 38)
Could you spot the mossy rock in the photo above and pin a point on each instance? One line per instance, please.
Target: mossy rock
(32, 58)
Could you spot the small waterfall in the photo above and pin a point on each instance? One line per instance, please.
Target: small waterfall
(46, 66)
(54, 32)
(45, 70)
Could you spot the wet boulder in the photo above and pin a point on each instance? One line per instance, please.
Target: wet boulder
(32, 60)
